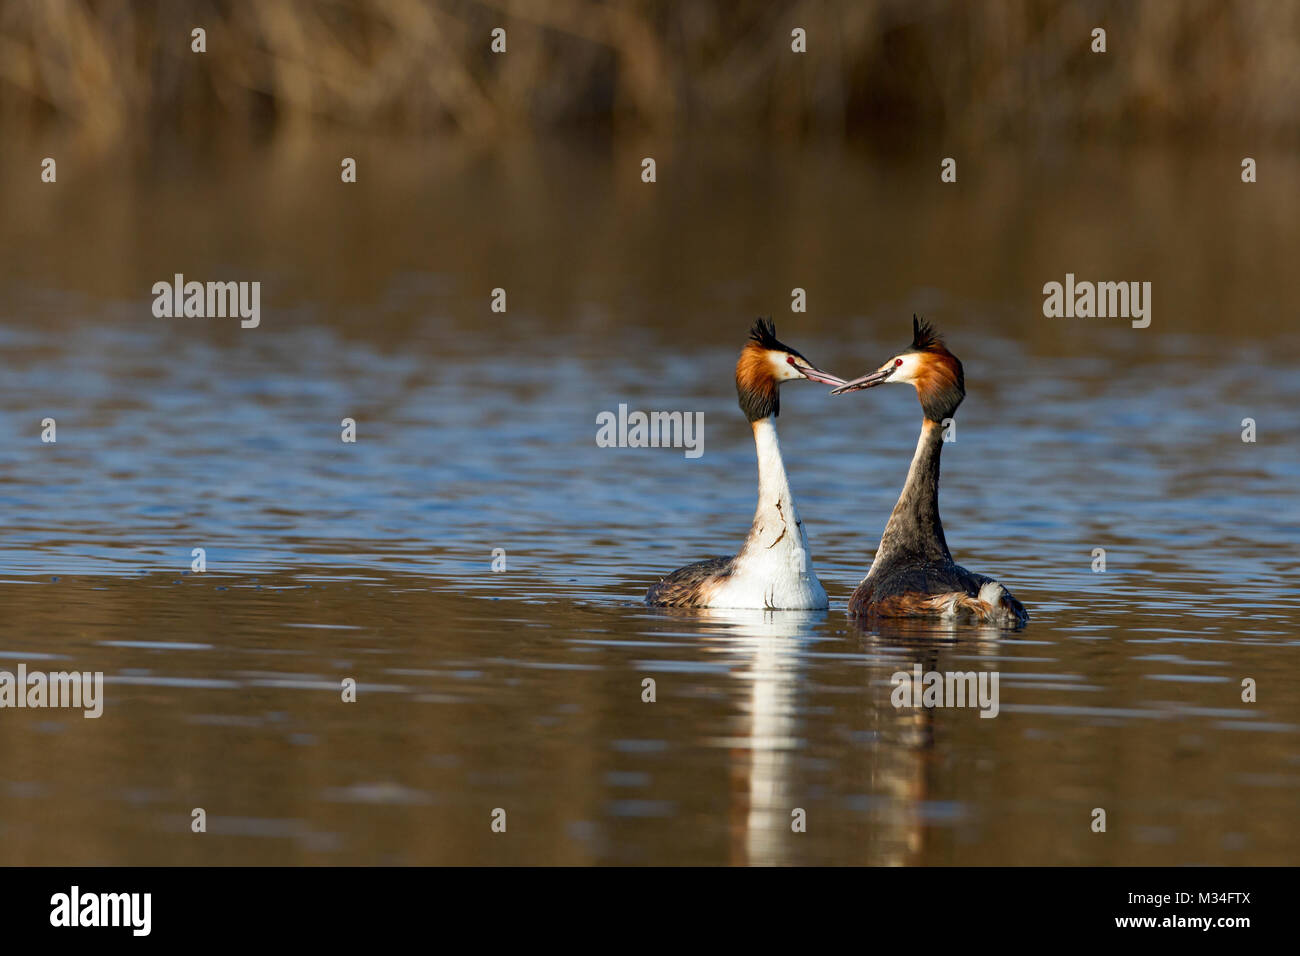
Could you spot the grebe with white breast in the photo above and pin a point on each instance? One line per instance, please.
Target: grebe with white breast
(913, 574)
(773, 569)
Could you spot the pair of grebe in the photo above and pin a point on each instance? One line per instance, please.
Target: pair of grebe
(913, 574)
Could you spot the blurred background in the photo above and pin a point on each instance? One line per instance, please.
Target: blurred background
(776, 170)
(875, 72)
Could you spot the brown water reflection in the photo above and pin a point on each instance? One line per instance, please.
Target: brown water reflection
(729, 229)
(226, 696)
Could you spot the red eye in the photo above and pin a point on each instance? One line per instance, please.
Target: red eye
(790, 359)
(897, 362)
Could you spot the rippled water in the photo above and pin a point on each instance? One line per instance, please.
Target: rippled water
(522, 690)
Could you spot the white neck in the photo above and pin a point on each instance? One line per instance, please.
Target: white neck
(773, 486)
(774, 568)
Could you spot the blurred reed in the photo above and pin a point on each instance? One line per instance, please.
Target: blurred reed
(110, 70)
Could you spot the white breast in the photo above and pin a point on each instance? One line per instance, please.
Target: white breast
(774, 568)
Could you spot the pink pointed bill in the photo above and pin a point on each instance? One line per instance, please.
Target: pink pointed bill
(866, 381)
(817, 375)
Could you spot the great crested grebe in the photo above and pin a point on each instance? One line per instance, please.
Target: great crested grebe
(772, 570)
(913, 574)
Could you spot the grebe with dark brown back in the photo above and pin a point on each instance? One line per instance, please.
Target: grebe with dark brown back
(913, 574)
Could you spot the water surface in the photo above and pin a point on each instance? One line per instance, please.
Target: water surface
(522, 689)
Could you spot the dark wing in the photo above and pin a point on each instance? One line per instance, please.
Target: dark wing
(905, 589)
(685, 587)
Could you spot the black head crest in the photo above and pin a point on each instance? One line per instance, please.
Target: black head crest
(763, 334)
(924, 336)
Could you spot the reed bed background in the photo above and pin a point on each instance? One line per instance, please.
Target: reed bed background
(108, 70)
